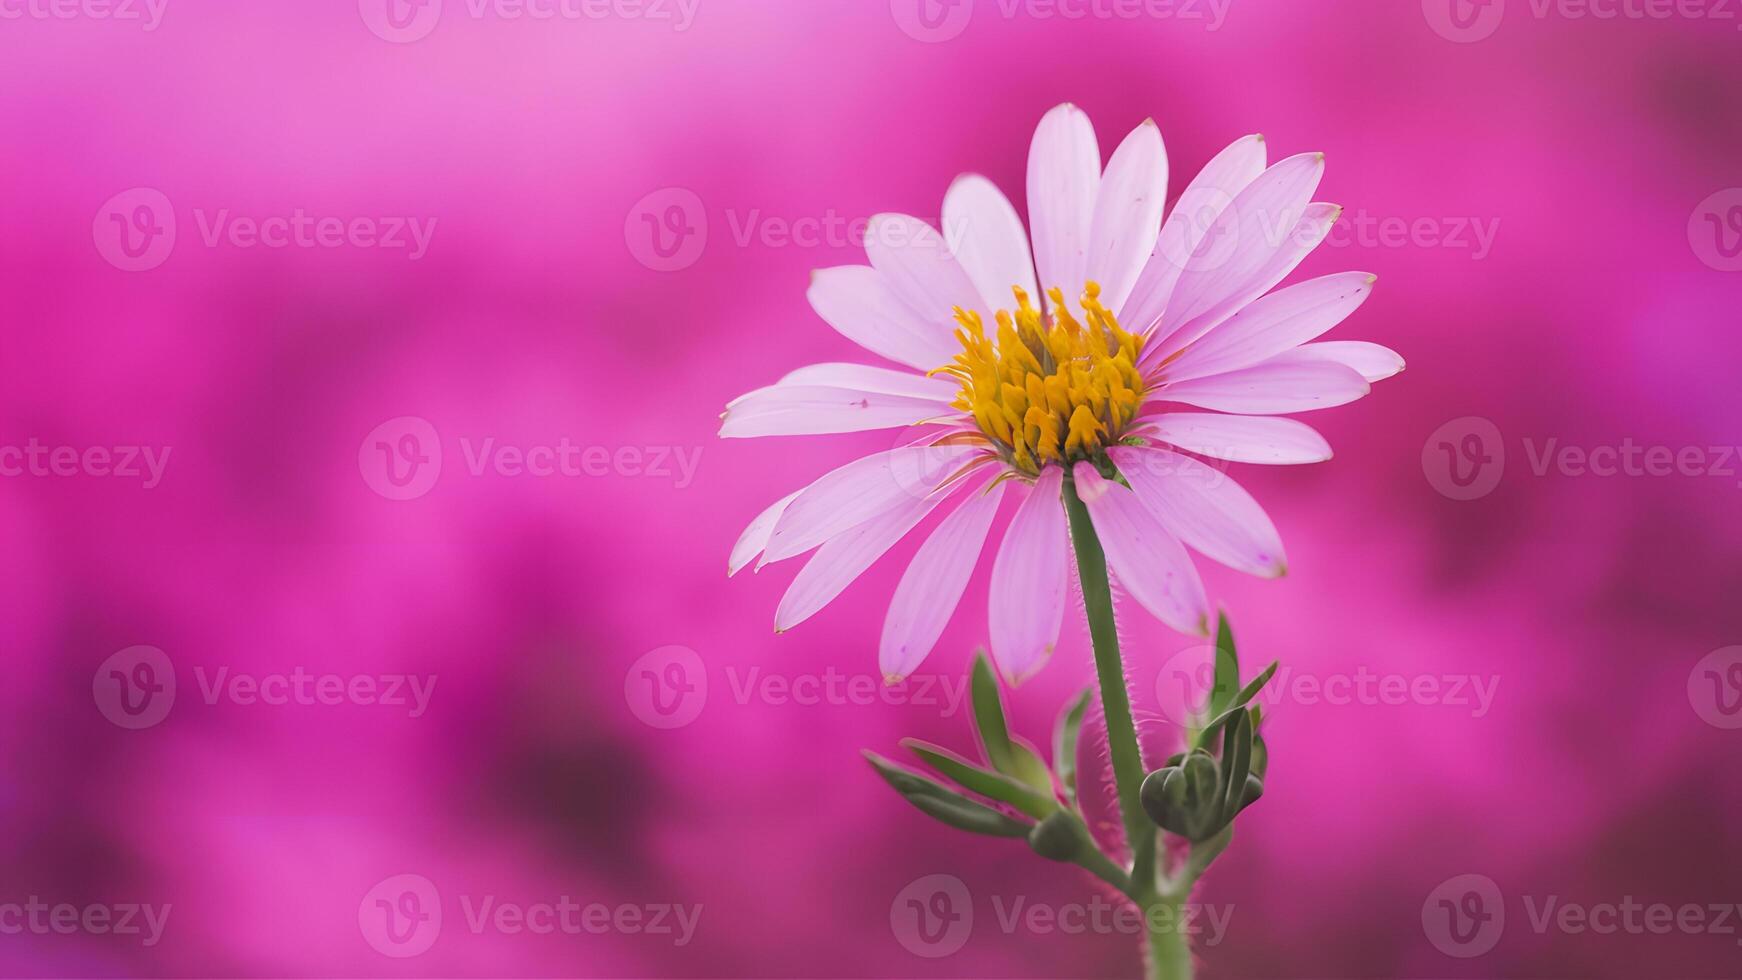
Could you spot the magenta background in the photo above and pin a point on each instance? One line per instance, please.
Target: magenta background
(1591, 142)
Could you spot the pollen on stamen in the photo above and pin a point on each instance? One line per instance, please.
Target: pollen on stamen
(1046, 388)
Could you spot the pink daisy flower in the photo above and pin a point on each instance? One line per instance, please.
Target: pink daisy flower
(1153, 344)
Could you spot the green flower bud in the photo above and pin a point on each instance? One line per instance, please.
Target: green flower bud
(1060, 837)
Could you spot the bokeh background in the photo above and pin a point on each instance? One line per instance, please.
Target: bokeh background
(1559, 192)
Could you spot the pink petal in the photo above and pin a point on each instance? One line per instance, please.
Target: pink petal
(1128, 213)
(933, 584)
(983, 229)
(1029, 579)
(884, 381)
(1239, 248)
(917, 264)
(1208, 195)
(1240, 438)
(755, 537)
(1308, 233)
(1064, 175)
(1272, 388)
(1275, 323)
(859, 491)
(808, 410)
(844, 558)
(1370, 361)
(856, 301)
(1202, 507)
(1147, 560)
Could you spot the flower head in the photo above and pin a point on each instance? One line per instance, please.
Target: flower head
(1012, 390)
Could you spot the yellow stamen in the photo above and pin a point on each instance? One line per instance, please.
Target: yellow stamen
(1050, 389)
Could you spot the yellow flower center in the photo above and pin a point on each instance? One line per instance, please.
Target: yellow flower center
(1050, 389)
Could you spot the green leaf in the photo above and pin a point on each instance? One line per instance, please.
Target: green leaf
(1064, 743)
(1227, 676)
(989, 714)
(989, 784)
(946, 805)
(1011, 757)
(1260, 754)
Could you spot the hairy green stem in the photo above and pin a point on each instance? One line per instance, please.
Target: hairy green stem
(1169, 956)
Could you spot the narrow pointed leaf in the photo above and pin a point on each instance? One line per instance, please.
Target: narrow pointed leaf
(1227, 676)
(1064, 744)
(989, 784)
(1009, 756)
(946, 805)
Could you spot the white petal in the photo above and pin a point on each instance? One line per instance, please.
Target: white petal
(856, 301)
(844, 558)
(1196, 211)
(1272, 324)
(1309, 232)
(1240, 438)
(1239, 248)
(1370, 361)
(1128, 213)
(859, 491)
(863, 377)
(1064, 175)
(933, 584)
(1029, 579)
(1272, 388)
(1145, 558)
(1201, 506)
(755, 537)
(983, 229)
(808, 410)
(917, 264)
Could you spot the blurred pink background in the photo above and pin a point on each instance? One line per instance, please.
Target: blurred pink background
(1541, 190)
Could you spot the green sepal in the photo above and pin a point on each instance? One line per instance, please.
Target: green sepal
(990, 784)
(1238, 705)
(1009, 756)
(1237, 765)
(944, 804)
(1064, 743)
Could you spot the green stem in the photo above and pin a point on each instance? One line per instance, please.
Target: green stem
(1115, 701)
(1169, 956)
